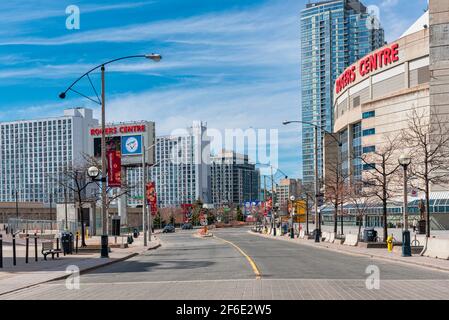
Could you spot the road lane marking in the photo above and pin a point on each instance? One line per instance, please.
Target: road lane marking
(250, 260)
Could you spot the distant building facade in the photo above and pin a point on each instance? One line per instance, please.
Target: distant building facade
(334, 34)
(285, 189)
(34, 153)
(234, 179)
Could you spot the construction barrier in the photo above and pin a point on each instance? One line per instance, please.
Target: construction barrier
(351, 240)
(302, 234)
(437, 248)
(331, 237)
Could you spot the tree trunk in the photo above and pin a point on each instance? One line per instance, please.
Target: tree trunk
(427, 210)
(307, 216)
(336, 217)
(341, 220)
(384, 214)
(83, 230)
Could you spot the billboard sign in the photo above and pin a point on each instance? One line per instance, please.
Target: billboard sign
(131, 145)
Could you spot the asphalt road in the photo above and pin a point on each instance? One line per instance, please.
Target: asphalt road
(187, 267)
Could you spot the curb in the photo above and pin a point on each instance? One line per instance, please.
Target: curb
(86, 270)
(393, 259)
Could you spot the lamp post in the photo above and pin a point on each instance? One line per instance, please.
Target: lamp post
(144, 204)
(404, 161)
(62, 95)
(292, 231)
(317, 230)
(17, 204)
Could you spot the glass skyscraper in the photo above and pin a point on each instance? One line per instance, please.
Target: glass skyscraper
(334, 34)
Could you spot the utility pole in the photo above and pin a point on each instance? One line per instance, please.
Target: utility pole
(104, 213)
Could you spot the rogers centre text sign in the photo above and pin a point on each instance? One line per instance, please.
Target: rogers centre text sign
(118, 130)
(374, 61)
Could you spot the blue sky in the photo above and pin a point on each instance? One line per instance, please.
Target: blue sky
(233, 63)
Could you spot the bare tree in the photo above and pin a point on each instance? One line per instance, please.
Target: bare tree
(361, 201)
(383, 168)
(74, 181)
(427, 138)
(335, 185)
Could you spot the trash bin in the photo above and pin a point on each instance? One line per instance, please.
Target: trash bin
(67, 242)
(422, 227)
(369, 235)
(135, 233)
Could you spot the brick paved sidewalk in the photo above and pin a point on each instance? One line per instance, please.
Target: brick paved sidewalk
(24, 275)
(383, 254)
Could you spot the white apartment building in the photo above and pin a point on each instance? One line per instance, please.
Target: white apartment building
(34, 152)
(181, 171)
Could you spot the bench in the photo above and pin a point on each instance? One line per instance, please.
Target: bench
(48, 248)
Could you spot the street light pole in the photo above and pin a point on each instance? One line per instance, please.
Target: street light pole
(292, 231)
(62, 95)
(144, 204)
(273, 201)
(317, 222)
(404, 161)
(17, 206)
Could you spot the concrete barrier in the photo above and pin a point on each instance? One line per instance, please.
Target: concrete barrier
(351, 240)
(331, 237)
(302, 234)
(437, 248)
(325, 236)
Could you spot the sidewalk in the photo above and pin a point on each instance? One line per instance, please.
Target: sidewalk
(24, 275)
(382, 254)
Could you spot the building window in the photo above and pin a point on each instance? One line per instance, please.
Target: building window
(369, 166)
(369, 114)
(369, 149)
(369, 132)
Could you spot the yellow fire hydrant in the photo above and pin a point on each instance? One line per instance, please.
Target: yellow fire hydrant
(390, 243)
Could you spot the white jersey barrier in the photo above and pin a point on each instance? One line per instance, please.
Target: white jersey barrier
(302, 234)
(351, 240)
(331, 237)
(325, 236)
(437, 248)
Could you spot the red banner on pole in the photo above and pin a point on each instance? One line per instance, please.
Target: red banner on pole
(151, 197)
(114, 168)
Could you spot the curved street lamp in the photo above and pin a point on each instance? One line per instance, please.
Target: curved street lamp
(292, 231)
(156, 58)
(405, 160)
(317, 230)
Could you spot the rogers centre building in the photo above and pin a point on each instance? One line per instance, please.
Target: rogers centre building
(374, 99)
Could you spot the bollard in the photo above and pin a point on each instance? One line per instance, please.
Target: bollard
(35, 246)
(76, 242)
(14, 249)
(57, 247)
(1, 251)
(27, 246)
